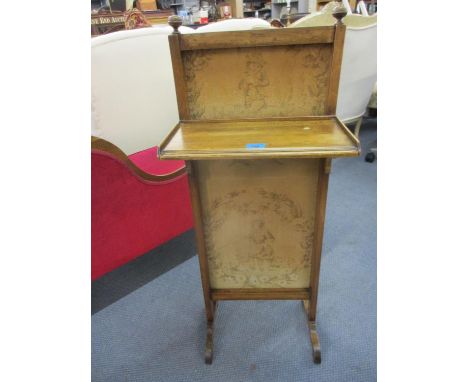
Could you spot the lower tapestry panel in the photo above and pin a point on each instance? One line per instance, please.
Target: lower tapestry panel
(258, 220)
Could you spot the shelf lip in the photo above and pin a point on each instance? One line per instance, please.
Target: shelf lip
(332, 151)
(349, 151)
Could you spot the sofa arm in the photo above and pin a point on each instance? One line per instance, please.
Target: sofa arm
(103, 146)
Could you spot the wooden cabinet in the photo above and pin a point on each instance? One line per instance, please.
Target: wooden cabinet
(258, 142)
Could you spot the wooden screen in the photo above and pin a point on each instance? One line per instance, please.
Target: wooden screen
(259, 219)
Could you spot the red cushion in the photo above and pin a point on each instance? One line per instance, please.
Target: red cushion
(129, 217)
(148, 161)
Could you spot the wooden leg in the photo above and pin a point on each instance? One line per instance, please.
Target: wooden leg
(311, 304)
(209, 339)
(316, 353)
(198, 225)
(314, 339)
(209, 343)
(357, 128)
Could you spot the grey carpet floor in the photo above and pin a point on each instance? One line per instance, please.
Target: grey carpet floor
(156, 331)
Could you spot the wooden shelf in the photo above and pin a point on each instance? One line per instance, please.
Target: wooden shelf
(299, 137)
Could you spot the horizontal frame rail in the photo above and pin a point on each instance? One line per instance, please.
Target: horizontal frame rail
(255, 38)
(260, 294)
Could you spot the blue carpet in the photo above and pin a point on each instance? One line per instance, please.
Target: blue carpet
(157, 332)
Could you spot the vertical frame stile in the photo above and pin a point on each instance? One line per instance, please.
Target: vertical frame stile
(320, 207)
(179, 75)
(338, 44)
(200, 237)
(339, 12)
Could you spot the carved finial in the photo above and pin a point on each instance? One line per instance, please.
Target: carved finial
(339, 12)
(175, 22)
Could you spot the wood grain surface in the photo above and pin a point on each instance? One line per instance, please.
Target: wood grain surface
(268, 95)
(260, 138)
(255, 38)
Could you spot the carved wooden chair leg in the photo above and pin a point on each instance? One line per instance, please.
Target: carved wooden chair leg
(315, 342)
(209, 337)
(314, 339)
(357, 128)
(209, 343)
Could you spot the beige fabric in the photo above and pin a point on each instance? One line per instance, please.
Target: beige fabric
(259, 221)
(258, 83)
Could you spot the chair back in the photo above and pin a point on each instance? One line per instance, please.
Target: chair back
(359, 66)
(132, 90)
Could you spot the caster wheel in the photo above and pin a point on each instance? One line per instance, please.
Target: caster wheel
(370, 157)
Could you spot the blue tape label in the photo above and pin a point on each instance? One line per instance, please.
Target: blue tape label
(255, 145)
